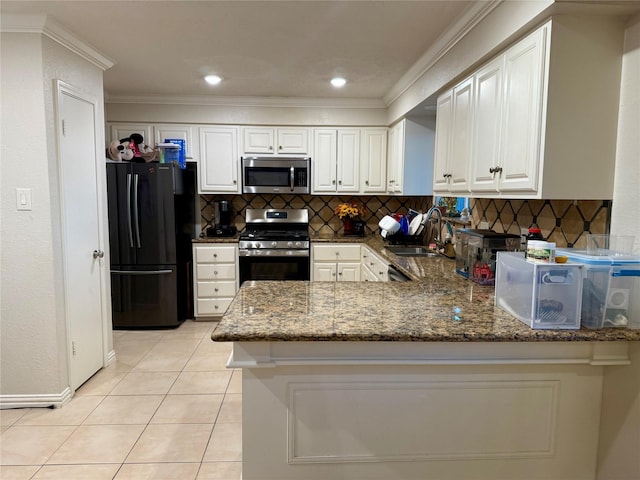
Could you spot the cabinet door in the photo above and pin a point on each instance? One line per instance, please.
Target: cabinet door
(119, 131)
(258, 139)
(373, 160)
(461, 136)
(324, 160)
(443, 142)
(348, 160)
(324, 272)
(218, 168)
(487, 122)
(293, 141)
(348, 272)
(183, 132)
(521, 124)
(395, 158)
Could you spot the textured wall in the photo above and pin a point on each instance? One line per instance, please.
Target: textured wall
(562, 221)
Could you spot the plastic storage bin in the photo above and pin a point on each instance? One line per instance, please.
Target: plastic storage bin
(178, 156)
(476, 253)
(542, 295)
(611, 286)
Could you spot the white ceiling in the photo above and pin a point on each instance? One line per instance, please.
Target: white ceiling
(260, 48)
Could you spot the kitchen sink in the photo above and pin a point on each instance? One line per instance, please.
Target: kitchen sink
(412, 251)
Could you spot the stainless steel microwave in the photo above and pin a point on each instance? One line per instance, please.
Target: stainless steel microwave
(276, 175)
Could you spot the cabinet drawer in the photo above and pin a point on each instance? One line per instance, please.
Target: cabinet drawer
(212, 306)
(216, 272)
(225, 254)
(216, 289)
(323, 253)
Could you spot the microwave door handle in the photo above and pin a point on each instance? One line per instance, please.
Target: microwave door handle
(135, 208)
(129, 210)
(292, 178)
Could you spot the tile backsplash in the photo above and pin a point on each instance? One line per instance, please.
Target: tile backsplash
(565, 222)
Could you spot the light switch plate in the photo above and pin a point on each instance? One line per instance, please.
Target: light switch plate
(23, 198)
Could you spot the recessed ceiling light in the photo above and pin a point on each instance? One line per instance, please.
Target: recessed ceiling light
(338, 82)
(213, 79)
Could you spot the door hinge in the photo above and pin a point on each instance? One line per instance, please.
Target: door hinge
(73, 348)
(64, 131)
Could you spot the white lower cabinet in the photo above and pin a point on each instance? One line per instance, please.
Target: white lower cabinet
(215, 278)
(372, 267)
(336, 262)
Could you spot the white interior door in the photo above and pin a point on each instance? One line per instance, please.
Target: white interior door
(83, 250)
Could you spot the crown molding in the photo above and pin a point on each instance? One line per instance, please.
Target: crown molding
(462, 26)
(274, 102)
(44, 25)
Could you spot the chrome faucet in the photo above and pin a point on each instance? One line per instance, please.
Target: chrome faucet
(436, 237)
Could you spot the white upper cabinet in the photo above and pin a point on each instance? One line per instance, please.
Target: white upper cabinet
(410, 158)
(181, 132)
(276, 140)
(373, 160)
(543, 115)
(218, 164)
(336, 160)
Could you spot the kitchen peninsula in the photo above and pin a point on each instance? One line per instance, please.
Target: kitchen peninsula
(422, 379)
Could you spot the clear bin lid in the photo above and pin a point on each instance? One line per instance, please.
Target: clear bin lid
(601, 260)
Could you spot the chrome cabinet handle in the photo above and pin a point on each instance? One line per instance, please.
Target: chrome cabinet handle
(366, 182)
(495, 170)
(98, 254)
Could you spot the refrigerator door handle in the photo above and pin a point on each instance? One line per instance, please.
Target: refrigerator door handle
(141, 272)
(135, 208)
(129, 209)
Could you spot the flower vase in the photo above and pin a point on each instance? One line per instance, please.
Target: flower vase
(348, 226)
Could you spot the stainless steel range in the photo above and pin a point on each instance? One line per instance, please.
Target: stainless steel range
(275, 245)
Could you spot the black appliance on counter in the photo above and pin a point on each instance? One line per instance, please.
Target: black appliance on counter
(223, 228)
(151, 225)
(275, 245)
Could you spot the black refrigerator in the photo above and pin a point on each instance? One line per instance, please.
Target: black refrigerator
(151, 225)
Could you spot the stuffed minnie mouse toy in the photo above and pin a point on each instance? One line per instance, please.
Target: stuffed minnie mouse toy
(141, 151)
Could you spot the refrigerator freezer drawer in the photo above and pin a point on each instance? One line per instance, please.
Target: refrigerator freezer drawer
(144, 298)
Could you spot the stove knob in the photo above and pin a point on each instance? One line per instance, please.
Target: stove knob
(289, 244)
(298, 244)
(257, 245)
(274, 244)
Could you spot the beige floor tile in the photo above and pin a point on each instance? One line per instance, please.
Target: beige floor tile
(231, 410)
(77, 472)
(220, 471)
(156, 361)
(73, 413)
(201, 382)
(188, 409)
(101, 383)
(31, 445)
(145, 383)
(97, 444)
(125, 410)
(11, 416)
(206, 362)
(171, 443)
(158, 471)
(235, 385)
(225, 444)
(18, 472)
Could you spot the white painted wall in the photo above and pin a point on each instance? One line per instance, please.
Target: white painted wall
(33, 337)
(618, 457)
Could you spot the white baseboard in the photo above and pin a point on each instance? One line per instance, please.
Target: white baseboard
(111, 358)
(35, 400)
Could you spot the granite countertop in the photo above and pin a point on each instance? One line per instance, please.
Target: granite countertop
(420, 310)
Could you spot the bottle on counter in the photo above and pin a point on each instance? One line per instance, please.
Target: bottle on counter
(534, 234)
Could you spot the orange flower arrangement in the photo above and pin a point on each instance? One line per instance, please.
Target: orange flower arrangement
(349, 210)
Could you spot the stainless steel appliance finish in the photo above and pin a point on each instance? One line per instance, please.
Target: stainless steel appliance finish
(276, 175)
(275, 245)
(151, 225)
